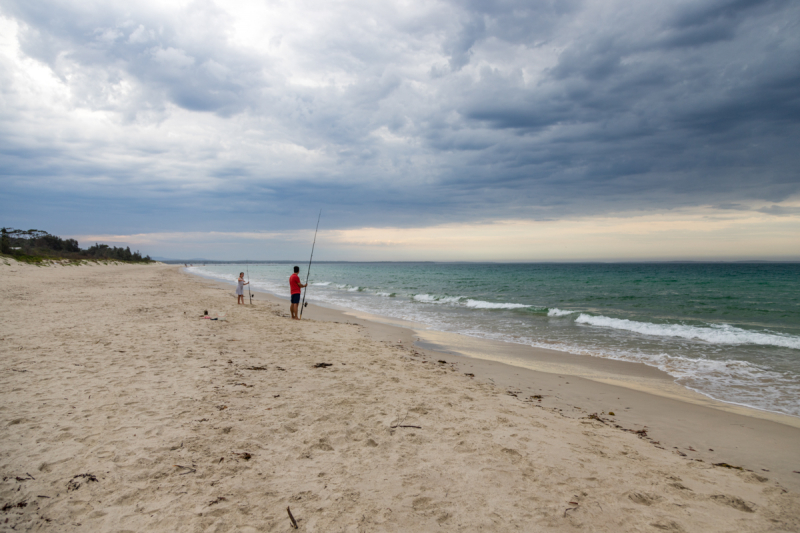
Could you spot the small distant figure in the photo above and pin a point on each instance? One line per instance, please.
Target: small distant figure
(295, 286)
(240, 288)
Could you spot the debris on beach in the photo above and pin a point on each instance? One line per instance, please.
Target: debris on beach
(401, 425)
(323, 365)
(77, 481)
(7, 507)
(291, 517)
(22, 478)
(726, 465)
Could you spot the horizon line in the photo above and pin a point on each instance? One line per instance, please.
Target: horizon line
(621, 261)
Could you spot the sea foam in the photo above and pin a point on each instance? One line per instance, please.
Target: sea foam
(714, 333)
(432, 299)
(479, 304)
(465, 302)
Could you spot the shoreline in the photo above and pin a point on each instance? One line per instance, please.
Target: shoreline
(628, 374)
(641, 396)
(123, 410)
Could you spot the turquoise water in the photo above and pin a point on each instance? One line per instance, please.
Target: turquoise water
(730, 331)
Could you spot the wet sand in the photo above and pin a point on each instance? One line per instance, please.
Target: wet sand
(640, 396)
(123, 410)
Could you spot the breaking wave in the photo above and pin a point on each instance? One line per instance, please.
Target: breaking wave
(715, 334)
(555, 311)
(465, 302)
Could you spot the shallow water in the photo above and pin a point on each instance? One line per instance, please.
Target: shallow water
(730, 331)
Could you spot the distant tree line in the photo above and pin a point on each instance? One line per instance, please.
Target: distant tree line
(34, 243)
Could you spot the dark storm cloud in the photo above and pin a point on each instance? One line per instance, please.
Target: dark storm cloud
(625, 105)
(440, 112)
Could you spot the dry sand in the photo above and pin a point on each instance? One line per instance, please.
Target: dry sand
(122, 410)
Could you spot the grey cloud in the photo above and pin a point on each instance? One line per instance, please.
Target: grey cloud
(459, 45)
(180, 56)
(779, 210)
(700, 14)
(496, 109)
(520, 21)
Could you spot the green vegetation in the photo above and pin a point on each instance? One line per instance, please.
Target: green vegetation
(35, 246)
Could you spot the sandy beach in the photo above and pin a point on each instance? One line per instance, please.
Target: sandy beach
(123, 410)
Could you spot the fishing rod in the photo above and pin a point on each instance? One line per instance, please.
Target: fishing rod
(308, 273)
(247, 263)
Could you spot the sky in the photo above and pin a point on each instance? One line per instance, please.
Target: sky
(457, 131)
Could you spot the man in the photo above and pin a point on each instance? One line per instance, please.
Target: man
(295, 286)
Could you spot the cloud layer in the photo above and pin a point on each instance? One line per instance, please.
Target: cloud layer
(199, 116)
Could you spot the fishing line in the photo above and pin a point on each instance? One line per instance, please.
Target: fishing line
(308, 273)
(247, 263)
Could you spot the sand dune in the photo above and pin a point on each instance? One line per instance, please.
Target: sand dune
(123, 411)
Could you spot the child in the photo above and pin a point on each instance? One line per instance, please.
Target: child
(240, 288)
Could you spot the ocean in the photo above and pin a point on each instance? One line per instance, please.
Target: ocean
(730, 331)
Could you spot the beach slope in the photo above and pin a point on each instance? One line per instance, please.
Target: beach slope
(123, 410)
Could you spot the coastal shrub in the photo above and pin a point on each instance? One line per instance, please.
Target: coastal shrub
(35, 245)
(104, 251)
(5, 243)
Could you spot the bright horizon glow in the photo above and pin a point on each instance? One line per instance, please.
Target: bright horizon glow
(697, 234)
